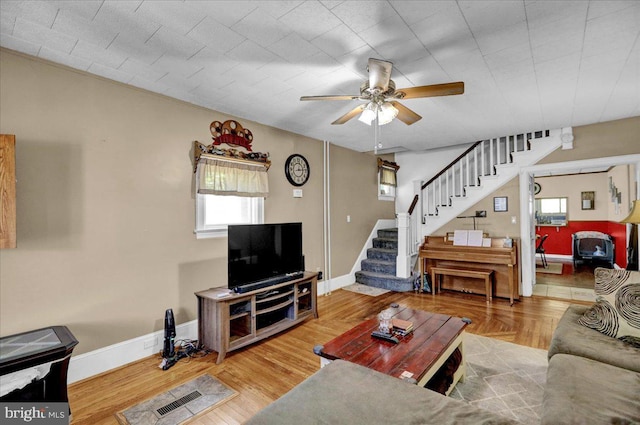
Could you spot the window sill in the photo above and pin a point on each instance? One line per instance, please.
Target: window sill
(211, 233)
(386, 198)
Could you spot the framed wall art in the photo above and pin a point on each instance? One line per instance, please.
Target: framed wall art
(588, 200)
(500, 204)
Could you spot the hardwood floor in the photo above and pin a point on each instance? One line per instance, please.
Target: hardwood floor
(265, 371)
(582, 277)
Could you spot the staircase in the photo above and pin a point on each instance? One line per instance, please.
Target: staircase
(477, 173)
(379, 268)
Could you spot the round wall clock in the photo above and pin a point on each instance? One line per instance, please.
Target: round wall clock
(536, 188)
(296, 168)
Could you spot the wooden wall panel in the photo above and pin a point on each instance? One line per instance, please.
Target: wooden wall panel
(7, 191)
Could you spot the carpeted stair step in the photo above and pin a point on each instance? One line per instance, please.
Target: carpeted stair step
(388, 233)
(385, 281)
(382, 254)
(379, 266)
(386, 243)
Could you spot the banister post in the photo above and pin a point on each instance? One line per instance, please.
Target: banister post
(403, 260)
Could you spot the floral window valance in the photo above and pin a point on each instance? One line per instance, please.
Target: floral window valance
(228, 177)
(220, 173)
(388, 170)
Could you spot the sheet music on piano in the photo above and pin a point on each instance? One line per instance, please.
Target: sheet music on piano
(460, 237)
(475, 238)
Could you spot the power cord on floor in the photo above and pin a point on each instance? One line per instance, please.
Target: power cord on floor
(184, 348)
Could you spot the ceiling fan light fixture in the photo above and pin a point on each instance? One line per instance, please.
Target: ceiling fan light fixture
(387, 113)
(368, 114)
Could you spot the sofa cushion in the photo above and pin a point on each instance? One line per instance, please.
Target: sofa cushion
(616, 312)
(570, 337)
(584, 391)
(346, 393)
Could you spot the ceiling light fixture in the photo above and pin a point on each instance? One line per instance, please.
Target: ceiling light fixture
(385, 111)
(378, 113)
(369, 113)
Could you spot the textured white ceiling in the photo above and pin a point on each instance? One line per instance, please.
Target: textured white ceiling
(526, 65)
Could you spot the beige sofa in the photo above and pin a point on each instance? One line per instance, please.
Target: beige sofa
(592, 378)
(346, 393)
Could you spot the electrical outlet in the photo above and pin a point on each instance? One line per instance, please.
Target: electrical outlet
(150, 343)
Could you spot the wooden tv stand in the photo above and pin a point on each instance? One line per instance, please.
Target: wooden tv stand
(237, 320)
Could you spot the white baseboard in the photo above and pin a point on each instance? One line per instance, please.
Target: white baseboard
(558, 257)
(326, 286)
(103, 359)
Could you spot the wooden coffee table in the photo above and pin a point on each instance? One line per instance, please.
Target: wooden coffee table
(417, 356)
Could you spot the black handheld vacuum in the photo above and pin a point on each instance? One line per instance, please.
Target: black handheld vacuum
(169, 335)
(169, 356)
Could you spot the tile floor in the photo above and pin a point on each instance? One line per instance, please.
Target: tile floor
(564, 292)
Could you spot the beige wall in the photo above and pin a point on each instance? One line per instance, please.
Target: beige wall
(611, 138)
(497, 224)
(106, 210)
(352, 195)
(572, 187)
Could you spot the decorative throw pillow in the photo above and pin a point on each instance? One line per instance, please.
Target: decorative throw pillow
(616, 312)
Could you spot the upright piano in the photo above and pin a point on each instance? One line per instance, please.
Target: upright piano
(437, 252)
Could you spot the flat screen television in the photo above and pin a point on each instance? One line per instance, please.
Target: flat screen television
(264, 254)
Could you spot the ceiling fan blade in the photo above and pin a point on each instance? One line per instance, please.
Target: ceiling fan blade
(352, 113)
(447, 89)
(379, 74)
(331, 97)
(405, 114)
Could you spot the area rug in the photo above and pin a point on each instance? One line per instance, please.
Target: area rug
(553, 268)
(365, 289)
(503, 378)
(178, 404)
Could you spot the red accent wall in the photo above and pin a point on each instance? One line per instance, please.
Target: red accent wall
(559, 241)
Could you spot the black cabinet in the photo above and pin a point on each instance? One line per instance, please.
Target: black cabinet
(34, 365)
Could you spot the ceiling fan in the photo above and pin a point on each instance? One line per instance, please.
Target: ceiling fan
(381, 96)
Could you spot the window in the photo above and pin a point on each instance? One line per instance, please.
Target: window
(228, 192)
(551, 211)
(387, 181)
(215, 212)
(387, 191)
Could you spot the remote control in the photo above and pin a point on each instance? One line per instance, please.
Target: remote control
(386, 337)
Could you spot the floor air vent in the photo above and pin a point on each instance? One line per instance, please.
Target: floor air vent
(178, 403)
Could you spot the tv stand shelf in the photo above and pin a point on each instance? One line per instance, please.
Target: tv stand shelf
(228, 323)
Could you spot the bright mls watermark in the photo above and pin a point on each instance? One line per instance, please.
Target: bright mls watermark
(37, 413)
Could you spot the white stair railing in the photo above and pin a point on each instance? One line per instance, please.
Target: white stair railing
(466, 171)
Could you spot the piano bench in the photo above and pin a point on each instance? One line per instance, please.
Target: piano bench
(485, 275)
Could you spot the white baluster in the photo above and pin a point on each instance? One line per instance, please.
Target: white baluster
(491, 156)
(461, 175)
(468, 170)
(484, 158)
(433, 191)
(475, 166)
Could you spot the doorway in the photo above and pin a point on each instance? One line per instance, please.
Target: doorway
(528, 232)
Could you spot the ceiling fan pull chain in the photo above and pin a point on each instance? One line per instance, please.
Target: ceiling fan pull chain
(376, 135)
